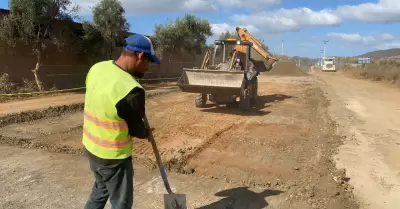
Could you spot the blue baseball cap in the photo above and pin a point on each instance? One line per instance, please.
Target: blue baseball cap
(140, 43)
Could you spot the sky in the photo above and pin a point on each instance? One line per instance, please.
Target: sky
(351, 27)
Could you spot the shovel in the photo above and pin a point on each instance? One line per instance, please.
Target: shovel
(171, 200)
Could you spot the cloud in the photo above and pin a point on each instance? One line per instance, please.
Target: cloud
(355, 38)
(385, 46)
(254, 5)
(385, 11)
(284, 20)
(198, 6)
(143, 7)
(279, 20)
(386, 36)
(220, 28)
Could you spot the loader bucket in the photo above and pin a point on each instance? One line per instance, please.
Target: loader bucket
(211, 81)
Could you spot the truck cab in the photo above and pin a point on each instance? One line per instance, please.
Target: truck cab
(328, 64)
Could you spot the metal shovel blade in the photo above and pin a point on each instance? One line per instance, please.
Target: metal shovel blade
(171, 200)
(175, 201)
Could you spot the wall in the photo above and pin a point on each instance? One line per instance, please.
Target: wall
(19, 61)
(64, 69)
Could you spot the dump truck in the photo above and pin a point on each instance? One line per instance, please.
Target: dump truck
(328, 64)
(230, 79)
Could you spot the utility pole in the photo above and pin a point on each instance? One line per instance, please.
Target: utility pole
(322, 51)
(325, 47)
(282, 48)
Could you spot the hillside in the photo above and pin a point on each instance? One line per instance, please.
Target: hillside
(390, 53)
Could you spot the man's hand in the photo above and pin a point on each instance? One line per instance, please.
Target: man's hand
(147, 126)
(146, 123)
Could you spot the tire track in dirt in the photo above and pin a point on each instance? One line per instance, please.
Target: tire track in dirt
(179, 164)
(181, 134)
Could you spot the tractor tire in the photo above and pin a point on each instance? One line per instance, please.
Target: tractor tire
(244, 103)
(201, 100)
(254, 91)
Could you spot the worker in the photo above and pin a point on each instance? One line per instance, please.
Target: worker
(114, 112)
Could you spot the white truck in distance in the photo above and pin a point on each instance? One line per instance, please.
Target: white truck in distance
(328, 64)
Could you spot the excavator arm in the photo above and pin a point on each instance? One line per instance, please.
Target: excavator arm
(257, 46)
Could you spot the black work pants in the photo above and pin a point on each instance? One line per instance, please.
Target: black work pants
(115, 183)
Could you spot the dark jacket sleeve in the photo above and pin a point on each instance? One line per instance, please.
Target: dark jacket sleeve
(131, 108)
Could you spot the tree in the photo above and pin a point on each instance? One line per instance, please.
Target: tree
(228, 35)
(109, 24)
(186, 35)
(34, 23)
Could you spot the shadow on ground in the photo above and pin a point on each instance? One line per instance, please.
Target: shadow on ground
(257, 109)
(241, 197)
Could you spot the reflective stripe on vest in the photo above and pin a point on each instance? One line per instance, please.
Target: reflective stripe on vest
(105, 134)
(106, 143)
(106, 124)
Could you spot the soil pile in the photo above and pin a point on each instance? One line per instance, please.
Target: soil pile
(286, 68)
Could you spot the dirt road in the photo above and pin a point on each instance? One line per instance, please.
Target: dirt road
(282, 147)
(369, 115)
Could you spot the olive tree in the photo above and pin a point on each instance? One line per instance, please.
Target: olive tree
(108, 27)
(33, 23)
(187, 34)
(229, 35)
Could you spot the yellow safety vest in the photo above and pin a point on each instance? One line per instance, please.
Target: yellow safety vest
(105, 134)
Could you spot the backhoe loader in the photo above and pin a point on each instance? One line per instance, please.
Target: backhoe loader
(231, 79)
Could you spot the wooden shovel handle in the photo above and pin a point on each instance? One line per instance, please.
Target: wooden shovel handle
(150, 137)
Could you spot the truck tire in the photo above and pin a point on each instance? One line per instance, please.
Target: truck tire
(244, 103)
(201, 100)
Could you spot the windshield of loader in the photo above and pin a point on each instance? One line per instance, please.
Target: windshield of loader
(224, 45)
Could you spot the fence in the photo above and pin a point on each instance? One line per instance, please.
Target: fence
(73, 76)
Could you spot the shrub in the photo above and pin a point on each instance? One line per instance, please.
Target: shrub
(382, 70)
(8, 87)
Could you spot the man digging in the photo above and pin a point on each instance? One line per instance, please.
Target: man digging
(113, 113)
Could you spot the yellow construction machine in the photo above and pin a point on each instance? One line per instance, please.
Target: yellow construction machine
(232, 78)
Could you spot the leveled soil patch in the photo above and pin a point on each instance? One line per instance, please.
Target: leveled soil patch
(30, 116)
(58, 134)
(286, 68)
(13, 107)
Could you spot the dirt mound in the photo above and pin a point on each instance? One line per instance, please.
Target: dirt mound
(286, 68)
